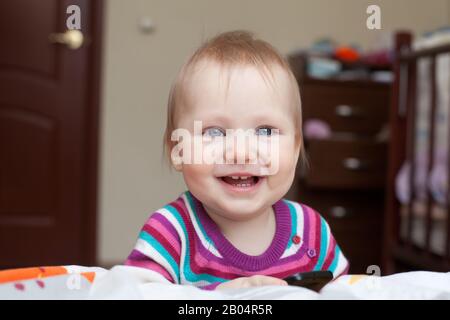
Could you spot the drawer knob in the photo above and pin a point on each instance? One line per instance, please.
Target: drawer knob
(338, 212)
(354, 164)
(346, 111)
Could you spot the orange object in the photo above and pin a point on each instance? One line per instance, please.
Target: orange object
(347, 54)
(22, 274)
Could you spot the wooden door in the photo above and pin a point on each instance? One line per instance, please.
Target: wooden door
(48, 134)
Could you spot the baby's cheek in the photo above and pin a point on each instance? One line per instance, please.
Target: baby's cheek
(286, 167)
(197, 173)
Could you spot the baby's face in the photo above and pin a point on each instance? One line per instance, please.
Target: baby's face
(240, 190)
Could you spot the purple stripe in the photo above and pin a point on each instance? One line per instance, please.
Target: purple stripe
(136, 255)
(211, 286)
(166, 223)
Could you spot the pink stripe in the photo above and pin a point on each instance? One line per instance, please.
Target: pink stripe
(151, 265)
(201, 261)
(162, 241)
(313, 219)
(304, 260)
(167, 235)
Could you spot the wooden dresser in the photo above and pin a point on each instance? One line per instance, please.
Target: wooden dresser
(346, 177)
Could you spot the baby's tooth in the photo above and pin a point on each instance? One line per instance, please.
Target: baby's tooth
(234, 177)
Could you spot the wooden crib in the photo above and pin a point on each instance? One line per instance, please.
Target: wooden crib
(400, 250)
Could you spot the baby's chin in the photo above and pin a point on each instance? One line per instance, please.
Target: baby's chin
(241, 208)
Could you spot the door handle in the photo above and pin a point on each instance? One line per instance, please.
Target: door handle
(72, 39)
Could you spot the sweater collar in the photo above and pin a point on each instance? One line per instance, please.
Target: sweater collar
(235, 256)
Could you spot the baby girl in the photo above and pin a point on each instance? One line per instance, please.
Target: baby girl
(232, 228)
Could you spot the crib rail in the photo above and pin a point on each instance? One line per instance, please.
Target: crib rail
(402, 147)
(409, 55)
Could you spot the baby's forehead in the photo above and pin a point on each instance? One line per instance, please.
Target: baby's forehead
(210, 81)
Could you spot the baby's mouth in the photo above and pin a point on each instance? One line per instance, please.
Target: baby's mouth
(241, 181)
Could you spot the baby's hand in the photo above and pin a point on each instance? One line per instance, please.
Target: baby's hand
(253, 281)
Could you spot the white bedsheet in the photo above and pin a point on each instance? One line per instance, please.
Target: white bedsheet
(124, 282)
(133, 283)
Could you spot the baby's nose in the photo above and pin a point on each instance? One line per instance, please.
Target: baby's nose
(241, 150)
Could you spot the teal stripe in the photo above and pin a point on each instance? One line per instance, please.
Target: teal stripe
(160, 248)
(333, 265)
(189, 275)
(323, 244)
(293, 222)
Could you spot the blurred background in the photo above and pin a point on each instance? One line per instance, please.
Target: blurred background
(81, 161)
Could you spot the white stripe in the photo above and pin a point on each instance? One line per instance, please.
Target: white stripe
(209, 246)
(342, 264)
(199, 283)
(329, 235)
(299, 230)
(145, 248)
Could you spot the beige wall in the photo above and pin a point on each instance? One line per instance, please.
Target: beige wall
(139, 67)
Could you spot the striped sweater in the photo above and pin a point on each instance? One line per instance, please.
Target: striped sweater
(184, 245)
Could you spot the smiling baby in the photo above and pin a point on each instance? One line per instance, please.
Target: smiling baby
(236, 105)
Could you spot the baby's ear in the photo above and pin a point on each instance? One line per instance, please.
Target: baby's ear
(298, 147)
(174, 158)
(176, 162)
(299, 152)
(177, 166)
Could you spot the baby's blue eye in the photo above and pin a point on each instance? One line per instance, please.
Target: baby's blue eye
(214, 132)
(264, 131)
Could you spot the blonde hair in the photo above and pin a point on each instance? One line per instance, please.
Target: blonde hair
(230, 49)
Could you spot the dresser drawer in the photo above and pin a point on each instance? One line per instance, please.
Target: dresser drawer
(358, 164)
(351, 212)
(357, 227)
(355, 219)
(357, 109)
